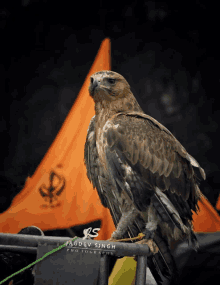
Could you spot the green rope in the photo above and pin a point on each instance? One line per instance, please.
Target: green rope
(38, 260)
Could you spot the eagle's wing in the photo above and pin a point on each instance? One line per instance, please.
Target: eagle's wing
(92, 162)
(98, 176)
(102, 182)
(142, 155)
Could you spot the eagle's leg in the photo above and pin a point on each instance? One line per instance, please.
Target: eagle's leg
(149, 230)
(127, 219)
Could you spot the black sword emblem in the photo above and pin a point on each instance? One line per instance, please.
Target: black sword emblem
(56, 186)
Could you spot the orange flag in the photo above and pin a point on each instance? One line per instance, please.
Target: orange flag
(207, 220)
(59, 194)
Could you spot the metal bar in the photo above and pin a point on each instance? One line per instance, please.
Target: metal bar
(29, 243)
(21, 249)
(29, 240)
(103, 271)
(116, 248)
(141, 270)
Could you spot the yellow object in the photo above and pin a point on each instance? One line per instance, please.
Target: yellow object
(123, 271)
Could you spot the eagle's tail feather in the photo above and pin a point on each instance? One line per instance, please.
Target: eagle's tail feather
(165, 259)
(162, 264)
(167, 212)
(194, 241)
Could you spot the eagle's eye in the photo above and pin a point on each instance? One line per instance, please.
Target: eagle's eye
(111, 80)
(91, 80)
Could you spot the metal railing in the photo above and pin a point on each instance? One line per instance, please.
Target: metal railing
(29, 244)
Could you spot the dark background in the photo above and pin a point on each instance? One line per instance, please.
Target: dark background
(169, 53)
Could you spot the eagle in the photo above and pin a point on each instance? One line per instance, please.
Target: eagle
(142, 173)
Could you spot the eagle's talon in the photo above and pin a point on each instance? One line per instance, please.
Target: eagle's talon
(152, 245)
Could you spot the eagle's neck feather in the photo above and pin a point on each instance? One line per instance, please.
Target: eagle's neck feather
(105, 109)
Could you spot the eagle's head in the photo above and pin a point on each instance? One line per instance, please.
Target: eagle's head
(108, 85)
(111, 91)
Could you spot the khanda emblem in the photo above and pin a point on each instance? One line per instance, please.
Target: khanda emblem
(51, 193)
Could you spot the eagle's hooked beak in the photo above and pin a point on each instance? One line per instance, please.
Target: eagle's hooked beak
(93, 85)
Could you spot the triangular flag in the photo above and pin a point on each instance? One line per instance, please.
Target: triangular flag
(207, 219)
(59, 194)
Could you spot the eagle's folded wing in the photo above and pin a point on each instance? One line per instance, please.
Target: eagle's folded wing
(142, 154)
